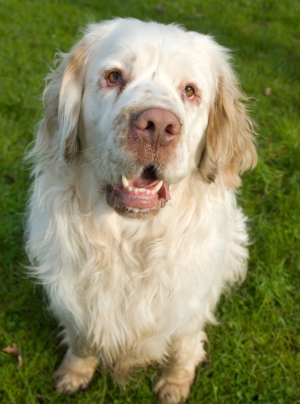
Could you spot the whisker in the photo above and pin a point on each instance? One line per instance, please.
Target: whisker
(87, 164)
(98, 154)
(93, 169)
(93, 147)
(108, 174)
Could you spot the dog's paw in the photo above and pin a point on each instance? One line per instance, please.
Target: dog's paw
(68, 381)
(74, 373)
(172, 391)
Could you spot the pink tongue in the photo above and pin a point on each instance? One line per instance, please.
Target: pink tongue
(147, 183)
(164, 192)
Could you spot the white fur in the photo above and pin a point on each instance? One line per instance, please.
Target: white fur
(130, 292)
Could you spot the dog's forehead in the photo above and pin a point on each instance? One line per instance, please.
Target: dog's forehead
(148, 46)
(141, 36)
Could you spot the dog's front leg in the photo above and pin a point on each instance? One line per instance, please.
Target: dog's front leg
(75, 372)
(178, 374)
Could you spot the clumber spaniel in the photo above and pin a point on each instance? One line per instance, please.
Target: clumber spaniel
(133, 227)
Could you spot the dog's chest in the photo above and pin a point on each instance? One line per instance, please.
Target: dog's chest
(138, 299)
(141, 285)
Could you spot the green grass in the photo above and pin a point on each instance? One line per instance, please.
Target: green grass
(255, 352)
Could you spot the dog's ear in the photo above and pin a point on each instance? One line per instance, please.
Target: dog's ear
(69, 102)
(229, 148)
(57, 134)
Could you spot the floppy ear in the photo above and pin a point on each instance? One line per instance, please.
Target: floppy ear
(69, 104)
(229, 137)
(57, 134)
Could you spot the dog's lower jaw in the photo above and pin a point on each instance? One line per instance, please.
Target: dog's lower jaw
(130, 212)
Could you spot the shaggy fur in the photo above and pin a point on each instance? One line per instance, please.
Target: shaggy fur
(137, 287)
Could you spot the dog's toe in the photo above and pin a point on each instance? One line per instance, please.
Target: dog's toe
(68, 381)
(172, 392)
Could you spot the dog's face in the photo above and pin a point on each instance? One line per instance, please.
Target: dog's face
(144, 105)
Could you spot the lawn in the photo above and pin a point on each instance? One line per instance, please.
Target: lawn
(254, 354)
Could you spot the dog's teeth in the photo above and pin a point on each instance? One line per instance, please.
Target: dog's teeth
(148, 192)
(125, 182)
(130, 189)
(153, 192)
(142, 190)
(135, 190)
(158, 186)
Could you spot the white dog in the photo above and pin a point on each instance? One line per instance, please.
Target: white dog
(133, 228)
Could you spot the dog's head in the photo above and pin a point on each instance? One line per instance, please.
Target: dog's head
(144, 105)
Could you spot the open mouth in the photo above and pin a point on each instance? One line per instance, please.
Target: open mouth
(143, 194)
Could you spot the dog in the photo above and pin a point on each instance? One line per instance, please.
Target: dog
(133, 227)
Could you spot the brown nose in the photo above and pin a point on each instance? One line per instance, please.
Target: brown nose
(157, 127)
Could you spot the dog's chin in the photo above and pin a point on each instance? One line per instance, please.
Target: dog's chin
(141, 214)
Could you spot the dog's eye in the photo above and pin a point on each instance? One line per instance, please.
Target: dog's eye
(189, 91)
(114, 77)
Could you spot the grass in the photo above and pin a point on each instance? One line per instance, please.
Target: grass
(255, 352)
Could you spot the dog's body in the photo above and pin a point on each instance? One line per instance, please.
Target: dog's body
(133, 227)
